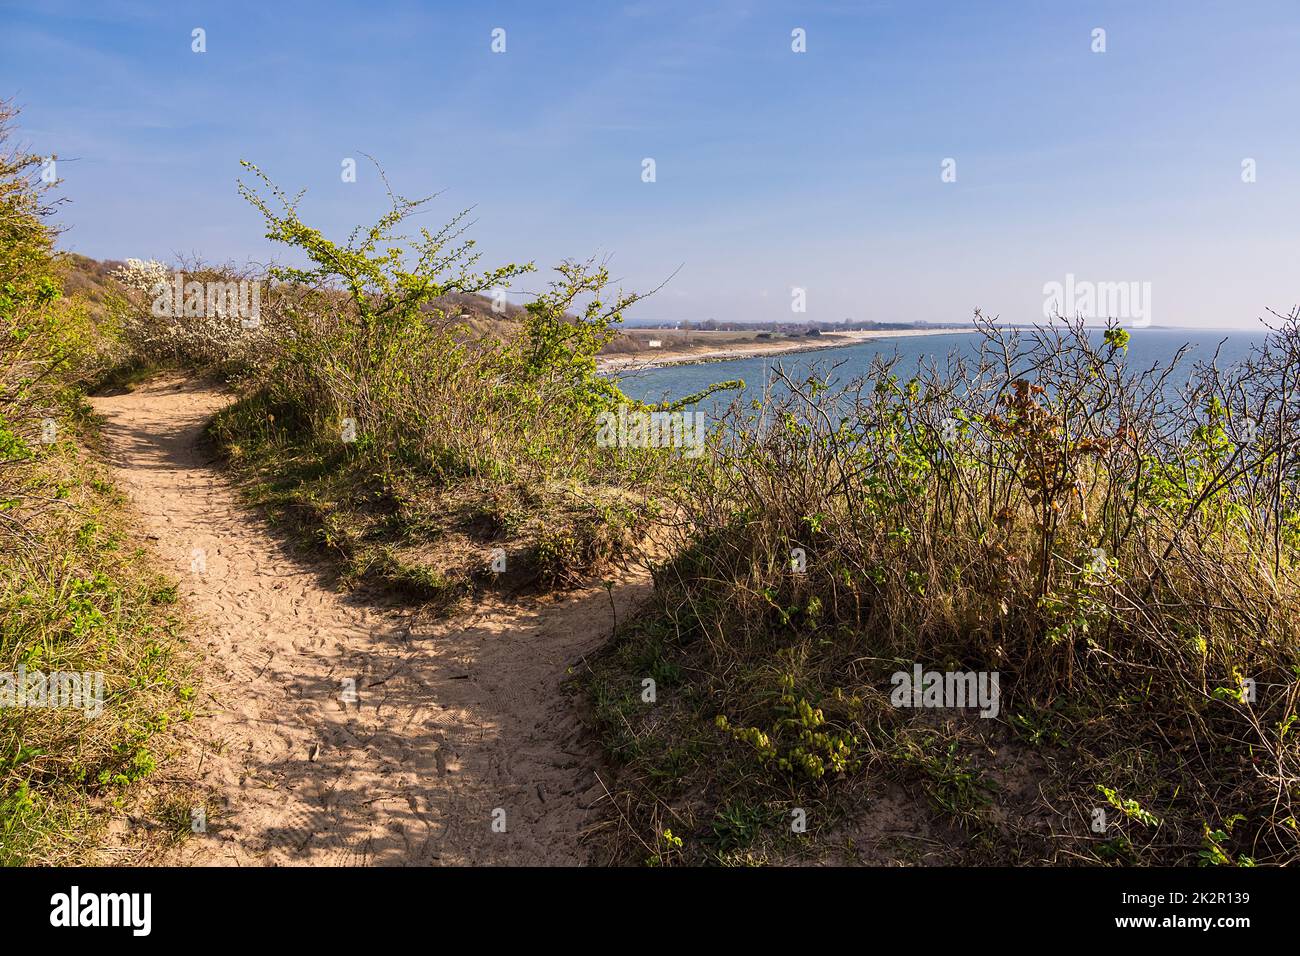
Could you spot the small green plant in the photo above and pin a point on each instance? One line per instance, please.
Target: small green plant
(667, 849)
(737, 825)
(801, 740)
(1130, 808)
(1213, 852)
(948, 776)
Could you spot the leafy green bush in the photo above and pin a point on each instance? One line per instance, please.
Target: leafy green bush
(386, 427)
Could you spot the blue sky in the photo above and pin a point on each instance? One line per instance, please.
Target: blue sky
(774, 169)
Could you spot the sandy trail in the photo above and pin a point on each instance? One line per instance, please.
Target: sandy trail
(453, 720)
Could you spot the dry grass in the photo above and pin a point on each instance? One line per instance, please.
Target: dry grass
(1119, 547)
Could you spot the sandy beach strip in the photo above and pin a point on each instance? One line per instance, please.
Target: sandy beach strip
(704, 353)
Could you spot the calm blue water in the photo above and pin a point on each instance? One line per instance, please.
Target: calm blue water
(1146, 347)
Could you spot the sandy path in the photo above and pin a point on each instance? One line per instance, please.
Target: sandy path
(454, 720)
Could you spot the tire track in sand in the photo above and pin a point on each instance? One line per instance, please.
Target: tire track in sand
(454, 718)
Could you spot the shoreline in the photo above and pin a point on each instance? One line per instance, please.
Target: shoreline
(706, 354)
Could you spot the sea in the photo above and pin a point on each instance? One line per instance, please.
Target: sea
(1147, 347)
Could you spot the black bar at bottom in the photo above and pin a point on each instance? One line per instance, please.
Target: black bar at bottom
(363, 907)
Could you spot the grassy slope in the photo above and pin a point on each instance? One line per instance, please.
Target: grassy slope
(954, 791)
(397, 526)
(82, 593)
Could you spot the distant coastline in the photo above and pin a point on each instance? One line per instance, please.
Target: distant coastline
(700, 352)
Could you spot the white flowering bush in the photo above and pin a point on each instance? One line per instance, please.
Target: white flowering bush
(203, 316)
(141, 275)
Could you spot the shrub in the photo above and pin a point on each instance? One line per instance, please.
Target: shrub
(1119, 544)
